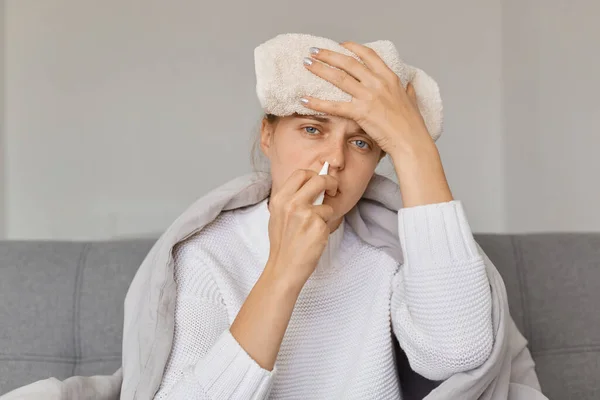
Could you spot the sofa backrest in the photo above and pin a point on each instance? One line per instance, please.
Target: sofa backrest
(553, 286)
(61, 306)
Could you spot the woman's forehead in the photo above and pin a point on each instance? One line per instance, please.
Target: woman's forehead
(331, 119)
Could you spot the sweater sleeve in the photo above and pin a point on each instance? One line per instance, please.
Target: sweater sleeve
(441, 299)
(206, 362)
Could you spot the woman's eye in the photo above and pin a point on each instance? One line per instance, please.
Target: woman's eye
(362, 144)
(311, 127)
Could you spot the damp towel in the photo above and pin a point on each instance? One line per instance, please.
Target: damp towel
(281, 78)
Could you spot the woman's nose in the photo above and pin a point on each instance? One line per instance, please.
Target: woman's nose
(335, 158)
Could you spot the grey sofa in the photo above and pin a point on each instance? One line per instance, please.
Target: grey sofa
(61, 306)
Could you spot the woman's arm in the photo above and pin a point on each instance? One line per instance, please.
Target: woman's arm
(441, 301)
(441, 305)
(261, 323)
(298, 233)
(209, 358)
(441, 268)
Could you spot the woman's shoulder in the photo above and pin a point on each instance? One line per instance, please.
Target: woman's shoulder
(200, 259)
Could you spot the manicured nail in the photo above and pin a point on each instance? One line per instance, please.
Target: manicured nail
(304, 100)
(314, 50)
(307, 61)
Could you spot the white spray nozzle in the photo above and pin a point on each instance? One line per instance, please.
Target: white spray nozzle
(325, 169)
(321, 196)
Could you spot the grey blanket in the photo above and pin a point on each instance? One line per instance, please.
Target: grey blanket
(150, 302)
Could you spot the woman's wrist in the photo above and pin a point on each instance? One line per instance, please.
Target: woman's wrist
(421, 176)
(281, 283)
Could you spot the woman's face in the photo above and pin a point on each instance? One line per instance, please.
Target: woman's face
(307, 141)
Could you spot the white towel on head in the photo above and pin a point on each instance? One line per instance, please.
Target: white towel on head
(281, 78)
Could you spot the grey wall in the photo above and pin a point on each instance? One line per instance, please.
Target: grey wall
(552, 114)
(2, 147)
(119, 112)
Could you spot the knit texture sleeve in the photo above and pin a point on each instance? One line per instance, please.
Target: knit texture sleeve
(206, 361)
(441, 300)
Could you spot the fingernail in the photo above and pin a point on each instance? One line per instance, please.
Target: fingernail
(314, 50)
(304, 100)
(307, 61)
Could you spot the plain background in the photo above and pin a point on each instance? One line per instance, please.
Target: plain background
(117, 114)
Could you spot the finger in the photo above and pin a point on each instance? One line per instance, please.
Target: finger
(311, 189)
(325, 211)
(338, 77)
(344, 109)
(294, 182)
(350, 64)
(370, 58)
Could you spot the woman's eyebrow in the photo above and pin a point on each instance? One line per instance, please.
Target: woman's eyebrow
(326, 120)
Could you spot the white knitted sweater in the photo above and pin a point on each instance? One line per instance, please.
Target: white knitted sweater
(338, 343)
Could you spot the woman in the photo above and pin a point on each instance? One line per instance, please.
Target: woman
(311, 304)
(254, 292)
